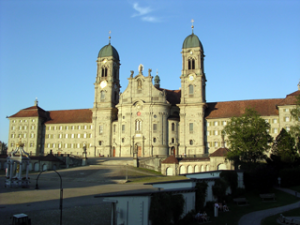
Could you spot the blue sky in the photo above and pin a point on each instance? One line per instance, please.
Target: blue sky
(48, 48)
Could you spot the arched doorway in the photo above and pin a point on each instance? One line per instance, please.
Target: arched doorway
(202, 168)
(44, 167)
(138, 149)
(36, 167)
(207, 167)
(114, 151)
(190, 169)
(182, 170)
(170, 171)
(197, 169)
(222, 166)
(173, 151)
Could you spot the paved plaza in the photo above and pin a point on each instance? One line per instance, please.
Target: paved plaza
(80, 185)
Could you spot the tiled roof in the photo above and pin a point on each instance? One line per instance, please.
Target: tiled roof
(290, 99)
(264, 107)
(173, 96)
(220, 152)
(33, 111)
(70, 116)
(170, 160)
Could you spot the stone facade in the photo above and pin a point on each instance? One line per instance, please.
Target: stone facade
(145, 119)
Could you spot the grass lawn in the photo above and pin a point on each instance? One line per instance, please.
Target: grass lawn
(255, 204)
(272, 219)
(295, 188)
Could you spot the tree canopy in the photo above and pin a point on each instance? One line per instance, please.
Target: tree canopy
(248, 137)
(295, 129)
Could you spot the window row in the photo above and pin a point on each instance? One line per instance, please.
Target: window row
(23, 127)
(23, 121)
(216, 144)
(85, 135)
(66, 145)
(216, 123)
(32, 135)
(12, 144)
(72, 127)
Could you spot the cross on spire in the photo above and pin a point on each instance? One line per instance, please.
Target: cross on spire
(192, 25)
(109, 37)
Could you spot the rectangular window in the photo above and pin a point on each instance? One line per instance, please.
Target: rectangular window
(100, 142)
(224, 123)
(84, 135)
(216, 144)
(60, 127)
(72, 127)
(275, 131)
(114, 128)
(191, 128)
(101, 129)
(207, 124)
(123, 128)
(173, 127)
(48, 145)
(31, 144)
(216, 123)
(287, 119)
(85, 127)
(66, 145)
(173, 140)
(208, 133)
(155, 128)
(208, 144)
(287, 128)
(274, 120)
(267, 121)
(66, 136)
(59, 145)
(78, 135)
(72, 135)
(216, 132)
(123, 139)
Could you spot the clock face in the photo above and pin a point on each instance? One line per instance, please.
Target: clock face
(191, 78)
(103, 84)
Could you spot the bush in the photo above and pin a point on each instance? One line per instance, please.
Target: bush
(231, 178)
(201, 188)
(262, 178)
(165, 208)
(189, 218)
(290, 177)
(219, 189)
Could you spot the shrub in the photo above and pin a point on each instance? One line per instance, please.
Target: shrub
(219, 189)
(231, 178)
(165, 208)
(290, 177)
(201, 188)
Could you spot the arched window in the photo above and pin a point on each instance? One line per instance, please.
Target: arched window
(104, 72)
(173, 126)
(191, 64)
(138, 125)
(102, 95)
(191, 89)
(139, 84)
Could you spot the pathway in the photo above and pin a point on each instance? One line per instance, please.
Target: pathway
(255, 218)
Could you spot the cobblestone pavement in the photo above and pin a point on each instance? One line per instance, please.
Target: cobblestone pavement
(80, 185)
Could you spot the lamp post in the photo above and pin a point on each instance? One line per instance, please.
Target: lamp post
(61, 193)
(84, 156)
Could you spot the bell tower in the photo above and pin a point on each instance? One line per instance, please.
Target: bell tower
(193, 100)
(107, 90)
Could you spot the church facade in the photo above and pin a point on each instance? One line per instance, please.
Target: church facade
(145, 119)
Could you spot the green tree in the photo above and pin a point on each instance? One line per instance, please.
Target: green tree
(248, 137)
(3, 147)
(284, 147)
(295, 129)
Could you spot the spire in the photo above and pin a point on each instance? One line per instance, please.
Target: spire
(36, 102)
(192, 26)
(157, 80)
(109, 37)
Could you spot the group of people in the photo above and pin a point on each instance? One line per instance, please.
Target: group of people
(222, 206)
(201, 217)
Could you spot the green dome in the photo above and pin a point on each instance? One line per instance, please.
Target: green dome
(109, 50)
(192, 41)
